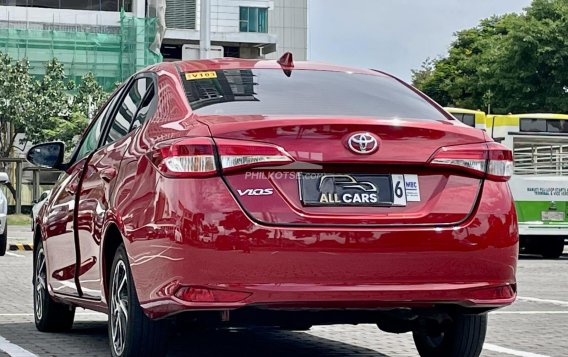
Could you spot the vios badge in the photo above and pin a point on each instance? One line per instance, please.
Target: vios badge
(363, 143)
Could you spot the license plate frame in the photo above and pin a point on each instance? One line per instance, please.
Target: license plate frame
(352, 190)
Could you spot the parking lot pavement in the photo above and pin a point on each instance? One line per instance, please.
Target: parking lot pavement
(535, 326)
(19, 234)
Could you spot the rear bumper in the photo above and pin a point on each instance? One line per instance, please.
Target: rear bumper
(470, 265)
(543, 230)
(325, 297)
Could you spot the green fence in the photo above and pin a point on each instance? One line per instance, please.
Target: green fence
(111, 53)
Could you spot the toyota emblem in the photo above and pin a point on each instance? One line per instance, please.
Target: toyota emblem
(363, 143)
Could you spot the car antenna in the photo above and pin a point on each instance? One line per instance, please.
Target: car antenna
(287, 63)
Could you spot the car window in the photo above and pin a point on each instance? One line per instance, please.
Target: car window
(125, 114)
(144, 110)
(91, 140)
(304, 92)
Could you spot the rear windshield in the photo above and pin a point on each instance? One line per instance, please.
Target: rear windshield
(303, 93)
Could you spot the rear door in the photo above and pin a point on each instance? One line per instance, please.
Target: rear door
(96, 193)
(317, 117)
(59, 221)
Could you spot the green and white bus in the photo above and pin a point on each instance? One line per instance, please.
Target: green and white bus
(540, 181)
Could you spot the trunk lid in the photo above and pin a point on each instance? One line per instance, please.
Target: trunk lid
(284, 195)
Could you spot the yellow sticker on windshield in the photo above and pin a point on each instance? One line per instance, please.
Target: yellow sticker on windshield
(191, 76)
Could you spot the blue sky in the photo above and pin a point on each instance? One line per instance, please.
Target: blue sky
(393, 35)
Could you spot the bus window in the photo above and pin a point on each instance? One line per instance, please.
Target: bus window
(458, 116)
(557, 126)
(468, 119)
(533, 125)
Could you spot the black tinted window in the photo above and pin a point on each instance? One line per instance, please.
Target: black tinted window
(533, 125)
(126, 111)
(305, 92)
(557, 126)
(458, 116)
(469, 119)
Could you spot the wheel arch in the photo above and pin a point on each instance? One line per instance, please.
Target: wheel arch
(112, 239)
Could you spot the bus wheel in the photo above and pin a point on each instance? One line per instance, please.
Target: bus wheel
(553, 247)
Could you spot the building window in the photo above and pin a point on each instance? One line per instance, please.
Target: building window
(254, 19)
(180, 14)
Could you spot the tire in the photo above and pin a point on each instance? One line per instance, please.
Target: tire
(552, 248)
(49, 315)
(131, 332)
(3, 242)
(296, 327)
(464, 337)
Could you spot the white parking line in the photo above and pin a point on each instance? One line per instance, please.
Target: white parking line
(15, 255)
(528, 312)
(77, 314)
(495, 348)
(14, 350)
(544, 301)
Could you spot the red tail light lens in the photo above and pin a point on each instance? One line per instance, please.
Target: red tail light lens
(489, 160)
(196, 157)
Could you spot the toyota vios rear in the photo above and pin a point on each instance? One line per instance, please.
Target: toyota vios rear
(291, 195)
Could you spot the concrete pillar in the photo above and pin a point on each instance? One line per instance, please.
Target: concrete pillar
(35, 191)
(205, 30)
(139, 8)
(19, 173)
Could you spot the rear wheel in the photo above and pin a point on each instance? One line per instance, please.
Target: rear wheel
(553, 247)
(296, 327)
(50, 316)
(3, 242)
(131, 332)
(463, 337)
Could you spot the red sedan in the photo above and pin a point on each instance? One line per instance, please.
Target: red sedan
(246, 192)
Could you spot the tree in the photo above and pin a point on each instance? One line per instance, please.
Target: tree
(44, 109)
(90, 95)
(15, 101)
(52, 103)
(424, 74)
(513, 63)
(61, 115)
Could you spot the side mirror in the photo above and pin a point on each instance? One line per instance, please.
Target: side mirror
(47, 155)
(4, 179)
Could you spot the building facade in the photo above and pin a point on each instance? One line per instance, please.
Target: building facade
(244, 29)
(95, 35)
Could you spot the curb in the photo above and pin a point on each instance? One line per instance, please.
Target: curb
(22, 246)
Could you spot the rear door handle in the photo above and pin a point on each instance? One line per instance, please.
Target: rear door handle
(108, 174)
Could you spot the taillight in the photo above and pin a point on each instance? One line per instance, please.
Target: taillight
(196, 157)
(192, 157)
(488, 160)
(237, 154)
